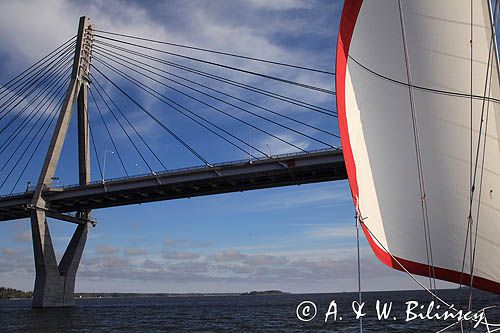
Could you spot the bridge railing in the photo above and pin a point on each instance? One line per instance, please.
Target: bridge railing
(179, 170)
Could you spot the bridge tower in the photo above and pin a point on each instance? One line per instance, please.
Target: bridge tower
(55, 283)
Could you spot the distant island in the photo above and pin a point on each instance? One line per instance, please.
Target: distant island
(111, 295)
(266, 292)
(8, 293)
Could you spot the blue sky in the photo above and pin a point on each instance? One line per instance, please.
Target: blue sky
(298, 239)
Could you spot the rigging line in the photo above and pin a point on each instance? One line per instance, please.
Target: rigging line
(221, 111)
(98, 86)
(404, 269)
(25, 84)
(31, 87)
(450, 306)
(469, 230)
(109, 133)
(93, 145)
(6, 87)
(20, 77)
(471, 179)
(213, 97)
(156, 93)
(264, 92)
(218, 52)
(488, 74)
(479, 204)
(432, 90)
(37, 96)
(35, 111)
(110, 57)
(416, 137)
(53, 97)
(53, 115)
(194, 152)
(270, 77)
(356, 217)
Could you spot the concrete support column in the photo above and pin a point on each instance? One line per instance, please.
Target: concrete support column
(54, 284)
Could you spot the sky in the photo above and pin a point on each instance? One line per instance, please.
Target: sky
(298, 239)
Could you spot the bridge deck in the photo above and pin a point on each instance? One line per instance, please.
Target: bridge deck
(284, 170)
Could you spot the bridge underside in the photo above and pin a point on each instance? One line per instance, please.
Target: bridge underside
(233, 177)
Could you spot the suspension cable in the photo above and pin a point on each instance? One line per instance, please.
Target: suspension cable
(95, 149)
(217, 52)
(299, 84)
(168, 102)
(194, 152)
(109, 132)
(52, 116)
(48, 78)
(213, 97)
(25, 84)
(225, 80)
(32, 86)
(110, 56)
(230, 115)
(5, 88)
(36, 110)
(98, 88)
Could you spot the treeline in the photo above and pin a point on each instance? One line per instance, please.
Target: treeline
(14, 293)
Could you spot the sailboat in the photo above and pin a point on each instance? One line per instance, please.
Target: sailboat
(418, 99)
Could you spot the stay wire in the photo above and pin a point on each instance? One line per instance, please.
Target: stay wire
(94, 146)
(6, 87)
(476, 160)
(216, 98)
(169, 101)
(27, 120)
(52, 116)
(31, 87)
(218, 52)
(270, 77)
(108, 131)
(48, 78)
(229, 115)
(98, 86)
(418, 156)
(23, 86)
(52, 98)
(227, 81)
(112, 56)
(187, 146)
(35, 111)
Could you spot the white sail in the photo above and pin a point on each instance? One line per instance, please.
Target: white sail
(404, 80)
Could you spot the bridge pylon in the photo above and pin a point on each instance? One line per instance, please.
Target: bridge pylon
(55, 283)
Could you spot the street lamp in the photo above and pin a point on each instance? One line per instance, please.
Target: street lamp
(104, 164)
(140, 167)
(250, 143)
(270, 154)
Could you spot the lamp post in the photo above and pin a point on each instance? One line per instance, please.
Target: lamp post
(250, 129)
(270, 154)
(140, 167)
(104, 164)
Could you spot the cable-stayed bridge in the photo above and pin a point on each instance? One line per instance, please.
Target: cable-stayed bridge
(122, 87)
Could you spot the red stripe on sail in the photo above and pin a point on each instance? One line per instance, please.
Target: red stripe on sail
(348, 20)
